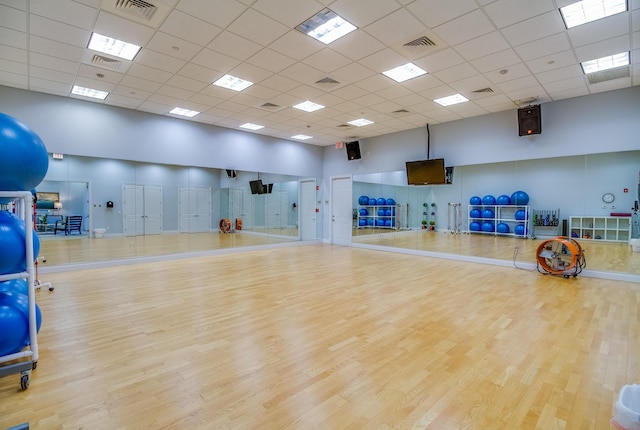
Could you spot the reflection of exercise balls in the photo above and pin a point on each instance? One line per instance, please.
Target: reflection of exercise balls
(364, 212)
(362, 222)
(370, 222)
(12, 244)
(503, 200)
(475, 201)
(25, 161)
(474, 226)
(502, 228)
(372, 202)
(381, 201)
(391, 202)
(380, 222)
(381, 212)
(519, 198)
(475, 213)
(488, 200)
(520, 230)
(520, 215)
(363, 200)
(487, 213)
(487, 226)
(387, 212)
(387, 223)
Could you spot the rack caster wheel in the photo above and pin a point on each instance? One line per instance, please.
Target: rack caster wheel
(34, 365)
(24, 382)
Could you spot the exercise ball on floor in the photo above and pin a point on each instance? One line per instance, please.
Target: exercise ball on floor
(488, 226)
(488, 200)
(12, 244)
(24, 161)
(519, 198)
(475, 201)
(474, 226)
(503, 200)
(502, 227)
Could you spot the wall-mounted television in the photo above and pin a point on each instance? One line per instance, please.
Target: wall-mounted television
(426, 172)
(256, 186)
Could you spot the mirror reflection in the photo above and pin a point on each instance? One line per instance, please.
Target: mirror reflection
(94, 210)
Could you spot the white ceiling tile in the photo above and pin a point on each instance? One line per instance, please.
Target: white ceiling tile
(13, 67)
(601, 29)
(357, 45)
(398, 27)
(122, 101)
(535, 28)
(215, 61)
(603, 48)
(290, 13)
(570, 93)
(12, 18)
(435, 12)
(327, 60)
(466, 27)
(66, 11)
(482, 45)
(296, 45)
(363, 12)
(440, 60)
(51, 75)
(257, 27)
(280, 83)
(496, 61)
(507, 12)
(362, 76)
(189, 28)
(14, 38)
(514, 71)
(543, 47)
(211, 12)
(456, 73)
(234, 46)
(57, 31)
(614, 84)
(149, 73)
(14, 54)
(271, 60)
(199, 73)
(122, 29)
(53, 63)
(16, 80)
(185, 83)
(560, 74)
(383, 60)
(173, 46)
(518, 84)
(139, 84)
(250, 72)
(470, 84)
(159, 61)
(565, 84)
(52, 87)
(554, 61)
(61, 50)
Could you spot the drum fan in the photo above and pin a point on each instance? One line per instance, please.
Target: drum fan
(560, 256)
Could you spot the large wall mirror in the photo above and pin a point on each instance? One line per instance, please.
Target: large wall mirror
(570, 189)
(95, 210)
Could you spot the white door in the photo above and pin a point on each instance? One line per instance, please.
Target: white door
(307, 210)
(241, 206)
(248, 210)
(341, 210)
(133, 210)
(203, 209)
(194, 209)
(152, 209)
(277, 207)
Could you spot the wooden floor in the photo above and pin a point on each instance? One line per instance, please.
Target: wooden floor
(327, 337)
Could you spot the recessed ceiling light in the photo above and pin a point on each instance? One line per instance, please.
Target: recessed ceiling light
(301, 137)
(89, 92)
(590, 10)
(360, 122)
(184, 112)
(308, 106)
(250, 126)
(111, 46)
(326, 26)
(404, 72)
(232, 83)
(605, 63)
(451, 100)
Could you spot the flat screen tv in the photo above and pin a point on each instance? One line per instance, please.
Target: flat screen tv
(256, 186)
(426, 172)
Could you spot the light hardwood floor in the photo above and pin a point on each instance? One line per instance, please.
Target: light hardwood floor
(327, 337)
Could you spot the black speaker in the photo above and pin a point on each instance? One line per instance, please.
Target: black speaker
(353, 150)
(231, 174)
(529, 120)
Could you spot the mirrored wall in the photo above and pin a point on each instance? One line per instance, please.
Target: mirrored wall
(95, 210)
(567, 189)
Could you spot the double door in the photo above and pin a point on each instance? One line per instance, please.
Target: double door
(142, 209)
(194, 209)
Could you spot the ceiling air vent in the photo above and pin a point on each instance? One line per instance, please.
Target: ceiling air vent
(271, 107)
(344, 126)
(420, 42)
(109, 63)
(137, 8)
(483, 91)
(327, 81)
(400, 112)
(608, 75)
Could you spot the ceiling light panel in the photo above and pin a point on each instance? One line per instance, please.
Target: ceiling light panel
(605, 63)
(250, 126)
(404, 72)
(308, 106)
(360, 122)
(184, 112)
(326, 26)
(301, 137)
(89, 92)
(451, 100)
(111, 46)
(591, 10)
(233, 83)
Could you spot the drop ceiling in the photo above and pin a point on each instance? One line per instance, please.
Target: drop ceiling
(499, 54)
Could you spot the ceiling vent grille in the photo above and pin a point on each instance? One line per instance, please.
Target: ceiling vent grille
(327, 81)
(400, 112)
(109, 63)
(608, 75)
(420, 42)
(344, 126)
(483, 91)
(137, 8)
(271, 107)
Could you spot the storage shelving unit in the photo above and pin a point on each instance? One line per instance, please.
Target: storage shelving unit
(372, 219)
(503, 214)
(546, 222)
(607, 228)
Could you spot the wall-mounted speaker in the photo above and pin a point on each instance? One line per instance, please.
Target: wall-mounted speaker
(232, 174)
(353, 150)
(529, 120)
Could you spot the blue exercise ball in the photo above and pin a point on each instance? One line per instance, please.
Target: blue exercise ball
(363, 212)
(19, 286)
(363, 200)
(24, 161)
(387, 223)
(381, 201)
(503, 200)
(475, 201)
(487, 226)
(487, 213)
(379, 222)
(519, 198)
(12, 244)
(475, 213)
(520, 229)
(370, 222)
(520, 215)
(391, 202)
(502, 227)
(372, 202)
(474, 226)
(362, 222)
(381, 212)
(387, 212)
(14, 324)
(488, 200)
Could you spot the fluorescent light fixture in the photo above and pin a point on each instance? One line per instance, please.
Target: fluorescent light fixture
(360, 122)
(89, 92)
(232, 83)
(184, 112)
(590, 10)
(404, 72)
(326, 26)
(250, 126)
(451, 100)
(605, 63)
(301, 137)
(308, 106)
(111, 46)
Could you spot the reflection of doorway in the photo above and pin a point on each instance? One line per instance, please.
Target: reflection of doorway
(241, 206)
(142, 209)
(341, 211)
(73, 199)
(277, 207)
(194, 209)
(307, 209)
